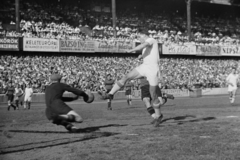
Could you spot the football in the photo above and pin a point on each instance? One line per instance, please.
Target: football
(90, 97)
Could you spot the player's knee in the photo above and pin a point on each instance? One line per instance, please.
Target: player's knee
(146, 100)
(78, 119)
(71, 118)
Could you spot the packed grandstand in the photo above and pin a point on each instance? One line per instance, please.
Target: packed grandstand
(66, 24)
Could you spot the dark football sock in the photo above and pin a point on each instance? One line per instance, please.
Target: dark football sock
(150, 110)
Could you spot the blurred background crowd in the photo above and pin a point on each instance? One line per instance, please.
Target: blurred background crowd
(91, 20)
(90, 72)
(62, 19)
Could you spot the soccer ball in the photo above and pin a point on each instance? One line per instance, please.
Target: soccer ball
(90, 97)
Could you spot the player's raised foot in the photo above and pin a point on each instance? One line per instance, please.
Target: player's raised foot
(164, 100)
(105, 95)
(170, 96)
(158, 121)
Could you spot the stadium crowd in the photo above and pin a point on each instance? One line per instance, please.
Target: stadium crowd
(71, 21)
(61, 20)
(90, 72)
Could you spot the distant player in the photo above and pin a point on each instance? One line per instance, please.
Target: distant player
(128, 92)
(149, 69)
(146, 97)
(232, 81)
(18, 94)
(28, 96)
(109, 82)
(57, 110)
(10, 96)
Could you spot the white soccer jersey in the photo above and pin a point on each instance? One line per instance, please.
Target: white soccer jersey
(150, 66)
(151, 53)
(233, 79)
(28, 92)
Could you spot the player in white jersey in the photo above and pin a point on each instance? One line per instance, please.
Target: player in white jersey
(149, 69)
(28, 96)
(232, 81)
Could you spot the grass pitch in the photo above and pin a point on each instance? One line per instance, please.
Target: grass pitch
(206, 128)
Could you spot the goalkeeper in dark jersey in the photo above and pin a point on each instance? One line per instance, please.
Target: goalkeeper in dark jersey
(57, 110)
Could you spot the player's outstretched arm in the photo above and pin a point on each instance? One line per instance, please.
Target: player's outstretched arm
(69, 99)
(139, 47)
(76, 91)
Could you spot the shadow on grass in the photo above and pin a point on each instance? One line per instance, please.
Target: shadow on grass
(182, 119)
(90, 134)
(81, 130)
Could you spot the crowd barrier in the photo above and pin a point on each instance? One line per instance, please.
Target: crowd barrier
(136, 94)
(40, 97)
(201, 50)
(9, 44)
(95, 46)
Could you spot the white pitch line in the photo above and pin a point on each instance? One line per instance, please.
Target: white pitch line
(232, 116)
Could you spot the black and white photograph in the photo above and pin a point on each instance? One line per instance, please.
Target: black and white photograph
(119, 79)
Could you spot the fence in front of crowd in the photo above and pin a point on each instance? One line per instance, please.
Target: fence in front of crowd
(96, 46)
(136, 94)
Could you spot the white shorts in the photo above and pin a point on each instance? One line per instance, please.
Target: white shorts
(151, 72)
(232, 88)
(27, 98)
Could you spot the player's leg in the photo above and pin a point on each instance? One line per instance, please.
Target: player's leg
(230, 95)
(29, 102)
(146, 97)
(109, 104)
(25, 102)
(68, 125)
(11, 102)
(134, 74)
(17, 103)
(109, 101)
(152, 78)
(67, 119)
(74, 116)
(150, 109)
(233, 95)
(155, 101)
(130, 99)
(127, 99)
